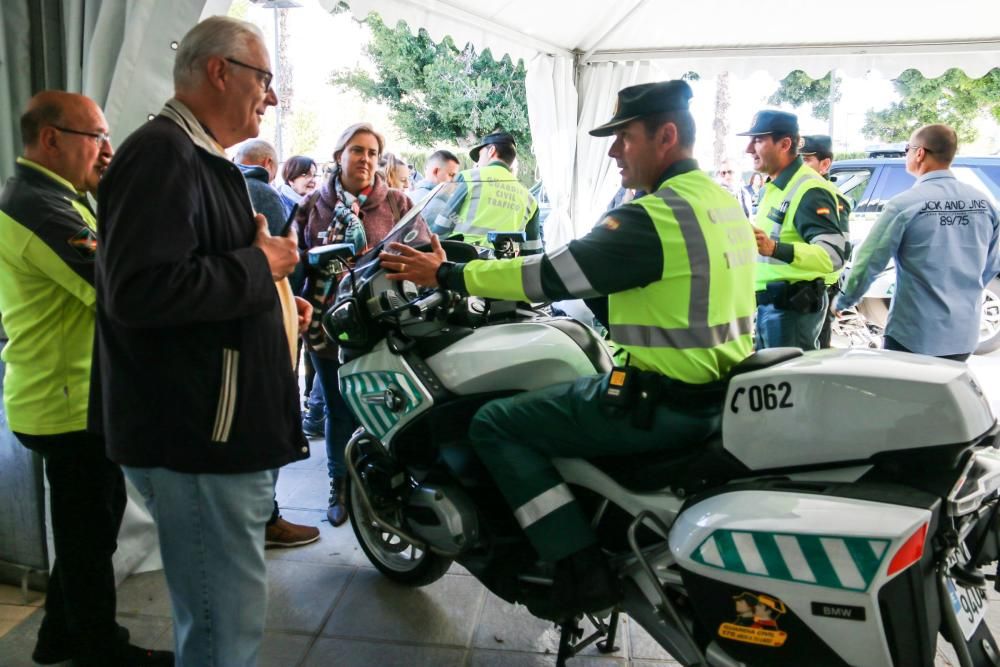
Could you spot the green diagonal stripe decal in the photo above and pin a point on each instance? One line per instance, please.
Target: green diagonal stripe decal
(864, 557)
(376, 417)
(727, 549)
(771, 556)
(831, 561)
(818, 561)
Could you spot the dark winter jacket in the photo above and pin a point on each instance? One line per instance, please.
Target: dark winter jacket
(264, 198)
(191, 367)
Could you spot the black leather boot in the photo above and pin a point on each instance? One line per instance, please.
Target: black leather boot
(587, 573)
(337, 511)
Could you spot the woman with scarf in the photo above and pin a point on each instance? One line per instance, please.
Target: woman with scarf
(355, 205)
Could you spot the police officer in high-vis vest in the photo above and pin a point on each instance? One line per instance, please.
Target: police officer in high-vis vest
(817, 152)
(490, 199)
(676, 267)
(799, 235)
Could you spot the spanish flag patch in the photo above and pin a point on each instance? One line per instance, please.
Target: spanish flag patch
(823, 211)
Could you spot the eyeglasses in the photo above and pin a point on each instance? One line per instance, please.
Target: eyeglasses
(266, 76)
(98, 137)
(907, 148)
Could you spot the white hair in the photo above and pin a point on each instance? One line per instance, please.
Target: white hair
(255, 152)
(215, 36)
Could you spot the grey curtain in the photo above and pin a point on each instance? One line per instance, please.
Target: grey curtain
(119, 52)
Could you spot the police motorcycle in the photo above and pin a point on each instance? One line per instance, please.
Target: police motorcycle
(847, 514)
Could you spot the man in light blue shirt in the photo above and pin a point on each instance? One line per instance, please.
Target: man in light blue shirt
(942, 234)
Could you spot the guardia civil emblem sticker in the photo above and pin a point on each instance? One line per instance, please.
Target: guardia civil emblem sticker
(755, 620)
(84, 242)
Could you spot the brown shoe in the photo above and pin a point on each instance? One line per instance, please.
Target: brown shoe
(284, 534)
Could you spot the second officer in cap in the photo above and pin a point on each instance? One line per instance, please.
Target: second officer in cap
(800, 237)
(676, 267)
(488, 198)
(817, 152)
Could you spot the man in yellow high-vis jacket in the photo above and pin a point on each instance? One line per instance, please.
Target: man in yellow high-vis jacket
(676, 267)
(800, 237)
(489, 198)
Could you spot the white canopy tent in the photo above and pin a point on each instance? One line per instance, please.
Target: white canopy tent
(579, 53)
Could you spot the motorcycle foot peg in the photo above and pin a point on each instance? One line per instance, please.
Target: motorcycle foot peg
(535, 579)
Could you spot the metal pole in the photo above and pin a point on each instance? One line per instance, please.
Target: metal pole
(277, 73)
(833, 103)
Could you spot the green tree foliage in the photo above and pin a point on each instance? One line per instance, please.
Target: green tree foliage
(798, 89)
(952, 98)
(439, 93)
(304, 132)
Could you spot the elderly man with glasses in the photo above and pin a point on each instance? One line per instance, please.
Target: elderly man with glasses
(48, 242)
(942, 234)
(197, 397)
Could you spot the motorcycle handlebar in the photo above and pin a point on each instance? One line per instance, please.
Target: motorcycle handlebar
(432, 300)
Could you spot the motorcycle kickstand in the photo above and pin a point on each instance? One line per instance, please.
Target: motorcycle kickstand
(607, 645)
(569, 631)
(571, 640)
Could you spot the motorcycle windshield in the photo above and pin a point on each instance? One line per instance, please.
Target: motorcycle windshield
(413, 229)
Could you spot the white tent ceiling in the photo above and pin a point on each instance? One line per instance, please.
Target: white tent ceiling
(721, 35)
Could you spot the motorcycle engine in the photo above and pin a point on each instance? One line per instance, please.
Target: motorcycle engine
(440, 514)
(384, 481)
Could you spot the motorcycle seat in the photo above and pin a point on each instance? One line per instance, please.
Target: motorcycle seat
(685, 471)
(765, 359)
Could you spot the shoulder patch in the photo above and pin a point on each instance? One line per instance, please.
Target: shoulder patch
(823, 211)
(610, 223)
(84, 242)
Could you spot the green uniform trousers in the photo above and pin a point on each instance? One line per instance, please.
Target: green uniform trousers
(517, 437)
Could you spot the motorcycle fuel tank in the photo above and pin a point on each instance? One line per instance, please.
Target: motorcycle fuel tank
(847, 405)
(518, 356)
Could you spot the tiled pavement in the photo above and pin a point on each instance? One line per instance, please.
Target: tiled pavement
(328, 606)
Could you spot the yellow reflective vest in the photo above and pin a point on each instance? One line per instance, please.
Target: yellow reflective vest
(495, 202)
(776, 216)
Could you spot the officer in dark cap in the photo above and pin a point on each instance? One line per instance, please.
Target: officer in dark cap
(817, 152)
(801, 239)
(675, 268)
(489, 198)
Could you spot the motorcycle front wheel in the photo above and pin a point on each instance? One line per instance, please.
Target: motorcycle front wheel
(399, 560)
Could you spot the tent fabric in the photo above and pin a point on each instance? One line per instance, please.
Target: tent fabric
(635, 41)
(596, 176)
(549, 81)
(776, 36)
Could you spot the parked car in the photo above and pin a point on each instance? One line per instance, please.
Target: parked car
(868, 184)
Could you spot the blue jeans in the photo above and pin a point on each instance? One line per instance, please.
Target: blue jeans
(211, 530)
(787, 328)
(315, 406)
(340, 422)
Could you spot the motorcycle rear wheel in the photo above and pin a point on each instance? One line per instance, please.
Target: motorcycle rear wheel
(399, 560)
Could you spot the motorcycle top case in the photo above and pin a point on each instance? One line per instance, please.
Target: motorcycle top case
(847, 405)
(793, 578)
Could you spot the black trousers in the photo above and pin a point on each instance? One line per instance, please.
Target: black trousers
(87, 496)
